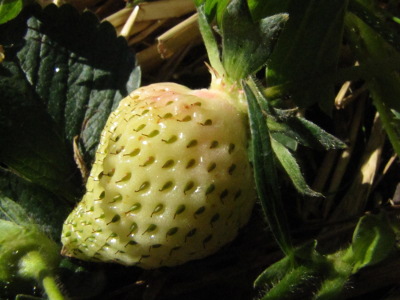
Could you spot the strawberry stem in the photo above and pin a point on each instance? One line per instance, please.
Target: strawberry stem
(33, 265)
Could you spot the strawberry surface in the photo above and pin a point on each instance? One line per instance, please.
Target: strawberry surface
(171, 181)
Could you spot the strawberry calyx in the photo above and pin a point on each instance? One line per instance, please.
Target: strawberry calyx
(246, 46)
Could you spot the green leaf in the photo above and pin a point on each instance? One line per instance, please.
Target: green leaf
(210, 42)
(313, 136)
(9, 9)
(265, 173)
(213, 8)
(286, 140)
(373, 241)
(31, 145)
(247, 45)
(303, 131)
(292, 168)
(260, 8)
(78, 67)
(384, 84)
(43, 207)
(13, 212)
(62, 76)
(307, 48)
(370, 13)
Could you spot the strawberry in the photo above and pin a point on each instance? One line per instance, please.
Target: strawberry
(171, 181)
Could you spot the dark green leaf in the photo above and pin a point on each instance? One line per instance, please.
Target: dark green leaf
(31, 145)
(213, 8)
(77, 66)
(373, 241)
(302, 131)
(246, 45)
(265, 173)
(307, 48)
(311, 135)
(286, 140)
(9, 9)
(368, 12)
(13, 212)
(261, 8)
(384, 84)
(292, 168)
(43, 207)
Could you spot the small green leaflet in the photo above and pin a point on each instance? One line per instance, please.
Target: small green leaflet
(9, 9)
(292, 168)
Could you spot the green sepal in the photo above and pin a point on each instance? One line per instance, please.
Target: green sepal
(303, 131)
(265, 169)
(247, 45)
(212, 8)
(292, 168)
(210, 41)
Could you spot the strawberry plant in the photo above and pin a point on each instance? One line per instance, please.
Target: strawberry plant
(132, 169)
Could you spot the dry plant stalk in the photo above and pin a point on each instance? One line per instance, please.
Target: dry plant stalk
(149, 58)
(128, 27)
(169, 43)
(341, 165)
(354, 201)
(151, 11)
(178, 37)
(342, 94)
(146, 32)
(138, 27)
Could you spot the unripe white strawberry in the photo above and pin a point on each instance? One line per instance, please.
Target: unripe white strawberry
(171, 181)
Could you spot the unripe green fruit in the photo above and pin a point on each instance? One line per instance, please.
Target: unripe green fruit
(171, 181)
